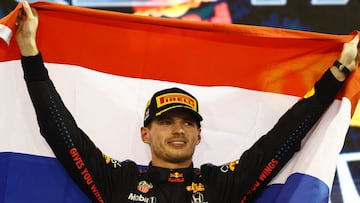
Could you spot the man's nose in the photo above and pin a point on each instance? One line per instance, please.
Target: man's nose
(178, 128)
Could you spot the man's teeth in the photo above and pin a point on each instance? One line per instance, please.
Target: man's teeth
(178, 142)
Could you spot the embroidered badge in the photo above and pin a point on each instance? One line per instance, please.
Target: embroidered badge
(229, 167)
(144, 186)
(198, 198)
(195, 187)
(109, 160)
(176, 177)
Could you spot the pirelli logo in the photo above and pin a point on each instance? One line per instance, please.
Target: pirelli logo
(176, 98)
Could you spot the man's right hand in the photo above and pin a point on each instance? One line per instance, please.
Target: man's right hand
(350, 57)
(27, 23)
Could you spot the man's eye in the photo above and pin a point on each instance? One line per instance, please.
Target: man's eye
(164, 122)
(189, 123)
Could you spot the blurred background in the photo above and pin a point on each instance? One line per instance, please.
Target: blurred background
(325, 16)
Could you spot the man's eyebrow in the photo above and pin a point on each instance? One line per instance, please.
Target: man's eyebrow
(162, 117)
(189, 117)
(185, 116)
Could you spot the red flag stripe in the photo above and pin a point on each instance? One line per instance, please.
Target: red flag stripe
(198, 53)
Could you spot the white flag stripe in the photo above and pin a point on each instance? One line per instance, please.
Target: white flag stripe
(110, 109)
(116, 105)
(5, 33)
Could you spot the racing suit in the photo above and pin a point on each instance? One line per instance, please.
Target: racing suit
(104, 179)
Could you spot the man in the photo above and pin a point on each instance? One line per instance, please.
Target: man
(172, 129)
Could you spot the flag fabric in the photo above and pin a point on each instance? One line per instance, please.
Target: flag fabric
(106, 65)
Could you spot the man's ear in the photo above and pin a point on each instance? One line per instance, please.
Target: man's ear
(145, 135)
(199, 137)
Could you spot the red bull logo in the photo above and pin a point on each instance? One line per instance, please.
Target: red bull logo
(176, 177)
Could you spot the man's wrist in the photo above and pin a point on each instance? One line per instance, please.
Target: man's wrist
(28, 49)
(342, 68)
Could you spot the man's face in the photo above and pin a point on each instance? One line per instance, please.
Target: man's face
(172, 138)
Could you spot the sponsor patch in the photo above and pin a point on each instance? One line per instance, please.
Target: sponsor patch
(195, 187)
(198, 198)
(141, 198)
(176, 98)
(144, 186)
(176, 177)
(229, 167)
(108, 160)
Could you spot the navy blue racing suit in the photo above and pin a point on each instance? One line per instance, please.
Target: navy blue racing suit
(104, 179)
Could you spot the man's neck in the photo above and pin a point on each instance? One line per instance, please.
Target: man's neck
(169, 165)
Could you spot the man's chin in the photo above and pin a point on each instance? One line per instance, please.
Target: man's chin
(178, 159)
